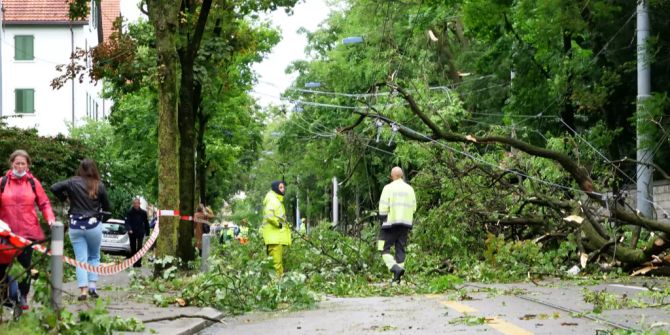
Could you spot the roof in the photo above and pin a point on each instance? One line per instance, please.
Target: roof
(37, 12)
(111, 9)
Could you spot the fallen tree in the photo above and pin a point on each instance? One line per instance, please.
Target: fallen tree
(594, 207)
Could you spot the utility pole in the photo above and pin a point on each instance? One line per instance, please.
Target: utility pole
(335, 204)
(644, 155)
(297, 213)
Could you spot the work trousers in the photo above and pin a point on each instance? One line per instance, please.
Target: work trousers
(394, 236)
(277, 253)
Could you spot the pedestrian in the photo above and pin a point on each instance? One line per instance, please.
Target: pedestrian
(275, 230)
(137, 225)
(88, 200)
(397, 205)
(303, 227)
(200, 217)
(20, 191)
(154, 218)
(243, 231)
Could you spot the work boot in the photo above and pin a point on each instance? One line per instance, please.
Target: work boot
(397, 273)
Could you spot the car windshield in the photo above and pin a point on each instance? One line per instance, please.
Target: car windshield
(113, 228)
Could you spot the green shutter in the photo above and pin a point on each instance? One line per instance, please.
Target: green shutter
(25, 100)
(19, 100)
(24, 48)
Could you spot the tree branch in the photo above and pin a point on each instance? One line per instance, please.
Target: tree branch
(350, 127)
(518, 221)
(175, 317)
(509, 26)
(199, 28)
(650, 164)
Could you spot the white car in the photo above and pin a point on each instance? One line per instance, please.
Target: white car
(115, 238)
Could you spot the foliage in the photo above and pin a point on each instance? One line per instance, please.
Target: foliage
(123, 165)
(96, 320)
(53, 158)
(242, 279)
(603, 300)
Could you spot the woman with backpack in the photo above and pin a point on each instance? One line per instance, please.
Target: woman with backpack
(19, 192)
(88, 197)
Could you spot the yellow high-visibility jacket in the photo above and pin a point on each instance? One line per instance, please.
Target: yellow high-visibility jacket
(274, 214)
(244, 231)
(398, 202)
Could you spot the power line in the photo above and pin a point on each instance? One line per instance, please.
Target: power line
(366, 95)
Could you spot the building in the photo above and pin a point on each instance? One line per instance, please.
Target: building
(35, 37)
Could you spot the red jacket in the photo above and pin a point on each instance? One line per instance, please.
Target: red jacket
(17, 206)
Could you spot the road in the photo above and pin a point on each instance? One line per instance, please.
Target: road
(518, 309)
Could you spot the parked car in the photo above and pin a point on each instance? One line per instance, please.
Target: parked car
(115, 238)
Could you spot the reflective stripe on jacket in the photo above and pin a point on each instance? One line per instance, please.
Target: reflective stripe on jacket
(273, 214)
(17, 206)
(398, 202)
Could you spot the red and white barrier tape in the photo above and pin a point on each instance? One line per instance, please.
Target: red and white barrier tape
(169, 212)
(118, 267)
(100, 269)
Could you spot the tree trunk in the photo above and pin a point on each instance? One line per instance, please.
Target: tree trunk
(568, 112)
(189, 102)
(164, 17)
(201, 165)
(185, 249)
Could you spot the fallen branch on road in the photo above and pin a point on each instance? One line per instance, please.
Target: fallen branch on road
(180, 316)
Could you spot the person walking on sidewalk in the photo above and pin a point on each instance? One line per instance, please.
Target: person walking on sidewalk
(88, 199)
(20, 191)
(275, 230)
(137, 224)
(397, 205)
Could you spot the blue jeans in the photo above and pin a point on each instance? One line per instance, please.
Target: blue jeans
(86, 245)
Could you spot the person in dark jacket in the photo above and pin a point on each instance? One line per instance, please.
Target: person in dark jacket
(88, 198)
(137, 224)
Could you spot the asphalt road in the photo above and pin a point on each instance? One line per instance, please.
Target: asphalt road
(520, 309)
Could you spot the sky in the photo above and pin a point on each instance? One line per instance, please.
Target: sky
(272, 79)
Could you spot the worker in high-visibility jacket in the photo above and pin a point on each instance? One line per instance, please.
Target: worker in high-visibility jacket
(397, 205)
(243, 234)
(275, 229)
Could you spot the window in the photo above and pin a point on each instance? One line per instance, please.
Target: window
(25, 100)
(23, 47)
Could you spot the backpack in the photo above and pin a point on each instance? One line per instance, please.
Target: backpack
(3, 183)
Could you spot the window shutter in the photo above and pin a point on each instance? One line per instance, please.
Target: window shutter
(18, 48)
(19, 101)
(29, 101)
(29, 45)
(24, 48)
(25, 100)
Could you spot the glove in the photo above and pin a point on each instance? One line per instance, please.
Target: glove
(281, 225)
(383, 218)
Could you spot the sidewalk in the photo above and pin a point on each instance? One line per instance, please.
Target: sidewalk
(124, 303)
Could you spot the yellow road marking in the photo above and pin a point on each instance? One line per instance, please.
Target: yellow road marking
(506, 327)
(459, 307)
(496, 323)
